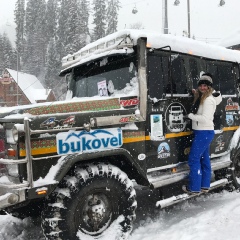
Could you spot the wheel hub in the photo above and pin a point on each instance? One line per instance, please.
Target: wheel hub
(96, 211)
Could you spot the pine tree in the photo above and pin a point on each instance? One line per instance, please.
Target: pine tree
(99, 7)
(36, 45)
(19, 13)
(73, 27)
(62, 28)
(51, 19)
(52, 66)
(112, 16)
(84, 37)
(1, 55)
(7, 56)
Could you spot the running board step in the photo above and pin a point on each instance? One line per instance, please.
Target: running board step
(182, 197)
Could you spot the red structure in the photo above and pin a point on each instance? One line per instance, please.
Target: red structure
(17, 88)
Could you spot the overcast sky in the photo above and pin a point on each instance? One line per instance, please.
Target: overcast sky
(208, 21)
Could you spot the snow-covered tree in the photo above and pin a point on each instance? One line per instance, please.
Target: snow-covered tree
(19, 13)
(84, 37)
(112, 16)
(137, 25)
(99, 20)
(7, 56)
(36, 45)
(51, 19)
(73, 27)
(52, 66)
(62, 28)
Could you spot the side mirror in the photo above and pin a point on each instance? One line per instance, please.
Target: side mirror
(67, 79)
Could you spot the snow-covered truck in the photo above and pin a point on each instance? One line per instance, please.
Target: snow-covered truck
(79, 160)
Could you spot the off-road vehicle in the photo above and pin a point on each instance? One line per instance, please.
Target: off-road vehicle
(83, 156)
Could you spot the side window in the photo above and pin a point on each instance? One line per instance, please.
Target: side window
(178, 75)
(223, 77)
(157, 75)
(194, 72)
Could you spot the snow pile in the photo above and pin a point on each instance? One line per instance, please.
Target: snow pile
(17, 229)
(212, 216)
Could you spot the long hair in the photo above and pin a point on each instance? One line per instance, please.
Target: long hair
(199, 99)
(202, 96)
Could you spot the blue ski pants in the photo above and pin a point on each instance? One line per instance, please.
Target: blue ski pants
(199, 160)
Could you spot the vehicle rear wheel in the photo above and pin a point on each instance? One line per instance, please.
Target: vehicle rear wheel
(89, 202)
(235, 170)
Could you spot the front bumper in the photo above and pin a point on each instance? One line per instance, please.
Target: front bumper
(12, 194)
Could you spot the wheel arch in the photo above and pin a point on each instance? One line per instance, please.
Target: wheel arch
(120, 158)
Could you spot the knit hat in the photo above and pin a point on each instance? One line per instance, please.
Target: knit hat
(206, 79)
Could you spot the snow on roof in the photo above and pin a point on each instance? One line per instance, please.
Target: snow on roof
(230, 40)
(41, 94)
(30, 85)
(154, 40)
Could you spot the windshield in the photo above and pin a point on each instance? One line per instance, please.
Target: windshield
(111, 76)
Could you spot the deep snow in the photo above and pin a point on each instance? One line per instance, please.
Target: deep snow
(214, 216)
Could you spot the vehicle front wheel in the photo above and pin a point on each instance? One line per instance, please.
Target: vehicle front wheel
(89, 202)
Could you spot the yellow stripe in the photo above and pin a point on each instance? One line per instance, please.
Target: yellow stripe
(230, 128)
(181, 134)
(48, 150)
(136, 139)
(39, 151)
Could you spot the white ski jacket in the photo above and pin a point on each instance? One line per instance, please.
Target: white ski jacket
(203, 119)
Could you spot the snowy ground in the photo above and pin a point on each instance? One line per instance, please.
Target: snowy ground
(214, 216)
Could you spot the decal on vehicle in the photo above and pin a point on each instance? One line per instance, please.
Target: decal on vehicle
(129, 102)
(141, 157)
(39, 147)
(219, 144)
(83, 141)
(164, 150)
(156, 126)
(62, 123)
(133, 136)
(96, 105)
(187, 151)
(231, 106)
(49, 123)
(174, 117)
(129, 119)
(229, 119)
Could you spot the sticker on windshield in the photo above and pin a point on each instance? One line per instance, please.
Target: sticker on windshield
(102, 88)
(83, 141)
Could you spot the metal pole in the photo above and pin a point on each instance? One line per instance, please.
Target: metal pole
(17, 77)
(165, 17)
(188, 9)
(28, 152)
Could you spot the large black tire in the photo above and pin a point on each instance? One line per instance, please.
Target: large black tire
(88, 202)
(234, 170)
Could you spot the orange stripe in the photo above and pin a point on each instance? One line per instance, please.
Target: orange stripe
(48, 150)
(136, 139)
(39, 151)
(230, 128)
(181, 134)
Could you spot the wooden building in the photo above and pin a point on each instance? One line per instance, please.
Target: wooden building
(18, 88)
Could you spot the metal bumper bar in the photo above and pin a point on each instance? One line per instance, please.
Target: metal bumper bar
(12, 197)
(182, 197)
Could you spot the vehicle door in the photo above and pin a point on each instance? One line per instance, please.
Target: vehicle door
(226, 119)
(168, 132)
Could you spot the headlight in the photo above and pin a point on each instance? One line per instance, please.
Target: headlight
(12, 170)
(15, 134)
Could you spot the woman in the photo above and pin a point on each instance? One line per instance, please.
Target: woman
(205, 102)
